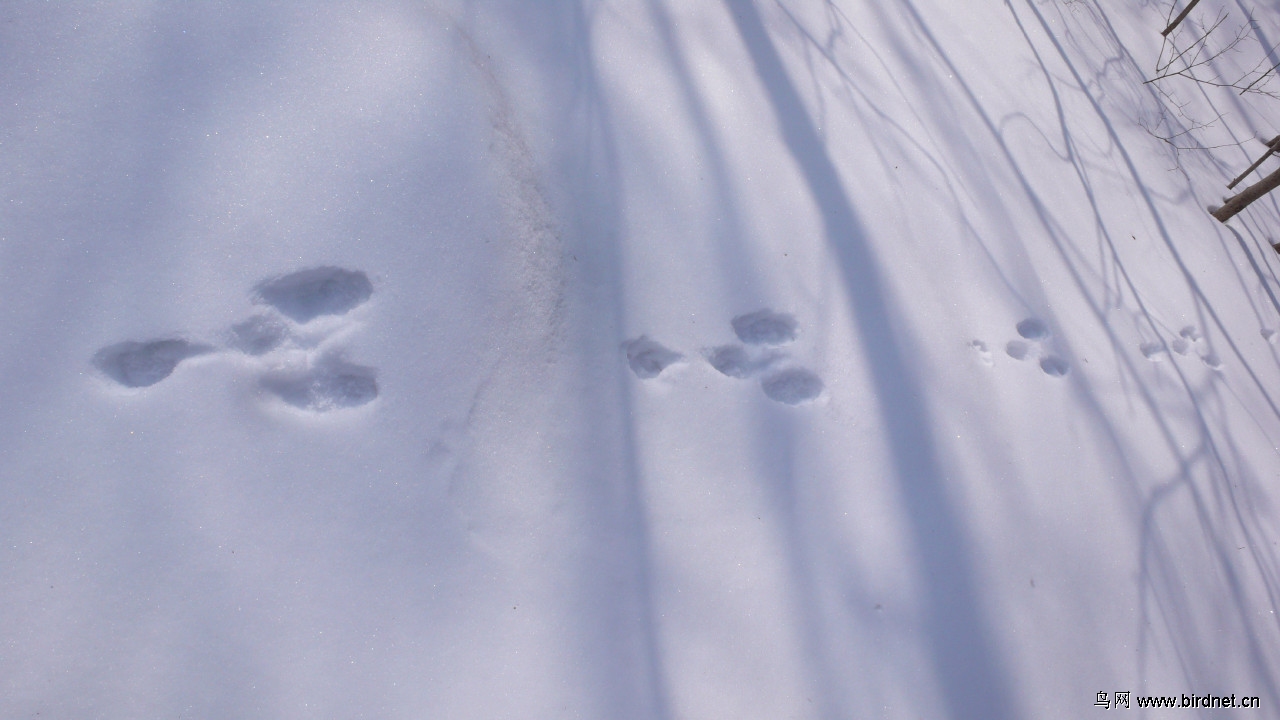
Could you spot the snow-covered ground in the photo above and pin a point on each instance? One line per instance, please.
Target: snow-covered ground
(629, 359)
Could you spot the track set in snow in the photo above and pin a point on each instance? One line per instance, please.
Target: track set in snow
(635, 359)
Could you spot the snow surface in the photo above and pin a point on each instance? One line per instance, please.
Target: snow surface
(628, 359)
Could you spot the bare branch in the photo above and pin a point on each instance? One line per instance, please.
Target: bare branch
(1272, 146)
(1178, 20)
(1189, 61)
(1235, 204)
(1197, 50)
(1264, 74)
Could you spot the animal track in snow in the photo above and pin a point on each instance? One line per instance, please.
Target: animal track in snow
(307, 294)
(1017, 349)
(143, 364)
(765, 327)
(1054, 366)
(327, 385)
(1269, 335)
(736, 361)
(1035, 332)
(320, 385)
(984, 353)
(792, 386)
(1153, 351)
(1188, 338)
(1032, 329)
(648, 358)
(730, 360)
(258, 335)
(761, 332)
(315, 385)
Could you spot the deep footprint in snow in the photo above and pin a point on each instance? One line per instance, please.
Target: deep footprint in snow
(792, 386)
(308, 294)
(761, 331)
(730, 360)
(984, 353)
(736, 361)
(301, 296)
(1189, 337)
(1153, 351)
(1018, 350)
(765, 327)
(143, 364)
(648, 358)
(258, 335)
(330, 385)
(1054, 366)
(1033, 329)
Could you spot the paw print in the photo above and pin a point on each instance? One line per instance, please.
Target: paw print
(1189, 341)
(648, 358)
(759, 352)
(1033, 335)
(300, 308)
(762, 335)
(143, 364)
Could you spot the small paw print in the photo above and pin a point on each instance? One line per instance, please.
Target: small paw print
(1189, 340)
(648, 358)
(762, 335)
(1033, 336)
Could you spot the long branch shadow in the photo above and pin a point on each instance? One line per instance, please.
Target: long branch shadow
(968, 671)
(1215, 456)
(590, 159)
(968, 667)
(728, 228)
(1212, 454)
(741, 276)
